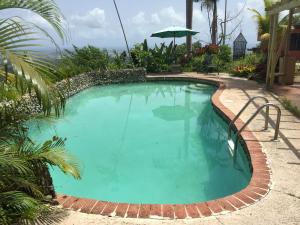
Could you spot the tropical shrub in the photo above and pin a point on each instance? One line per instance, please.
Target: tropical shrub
(181, 50)
(202, 63)
(154, 60)
(210, 59)
(82, 60)
(224, 54)
(90, 58)
(243, 70)
(25, 181)
(119, 61)
(246, 66)
(207, 49)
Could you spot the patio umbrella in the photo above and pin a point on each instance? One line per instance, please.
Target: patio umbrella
(174, 32)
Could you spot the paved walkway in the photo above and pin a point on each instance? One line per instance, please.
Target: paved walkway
(291, 92)
(282, 204)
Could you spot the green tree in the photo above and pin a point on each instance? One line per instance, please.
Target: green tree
(211, 5)
(262, 20)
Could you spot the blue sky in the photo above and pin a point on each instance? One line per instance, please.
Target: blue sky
(95, 21)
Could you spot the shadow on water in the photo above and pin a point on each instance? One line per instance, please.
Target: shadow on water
(212, 132)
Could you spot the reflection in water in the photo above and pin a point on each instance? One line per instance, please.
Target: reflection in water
(135, 138)
(173, 113)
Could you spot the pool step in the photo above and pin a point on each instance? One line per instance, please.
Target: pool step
(194, 88)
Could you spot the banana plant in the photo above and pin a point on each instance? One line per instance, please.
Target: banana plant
(154, 59)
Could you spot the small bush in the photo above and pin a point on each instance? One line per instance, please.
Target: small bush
(246, 66)
(201, 63)
(155, 60)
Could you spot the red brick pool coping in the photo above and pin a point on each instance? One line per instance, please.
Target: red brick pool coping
(258, 187)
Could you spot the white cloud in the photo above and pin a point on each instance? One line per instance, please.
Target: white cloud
(94, 24)
(139, 19)
(165, 17)
(198, 16)
(145, 24)
(94, 19)
(155, 19)
(170, 15)
(256, 4)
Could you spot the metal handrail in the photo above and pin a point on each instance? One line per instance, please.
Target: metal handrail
(244, 108)
(254, 115)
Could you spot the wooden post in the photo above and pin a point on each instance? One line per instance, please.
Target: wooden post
(287, 46)
(269, 52)
(288, 30)
(272, 51)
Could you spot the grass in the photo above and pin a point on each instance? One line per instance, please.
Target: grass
(288, 105)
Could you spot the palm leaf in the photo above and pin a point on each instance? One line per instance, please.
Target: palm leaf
(47, 9)
(28, 66)
(20, 205)
(53, 153)
(8, 163)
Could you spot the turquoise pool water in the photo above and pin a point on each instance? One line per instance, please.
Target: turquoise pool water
(158, 142)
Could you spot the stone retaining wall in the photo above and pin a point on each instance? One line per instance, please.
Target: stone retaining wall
(72, 86)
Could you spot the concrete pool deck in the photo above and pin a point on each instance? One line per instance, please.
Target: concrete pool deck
(282, 204)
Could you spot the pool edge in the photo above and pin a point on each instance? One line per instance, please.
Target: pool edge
(258, 188)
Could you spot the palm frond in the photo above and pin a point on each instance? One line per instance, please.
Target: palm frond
(9, 163)
(30, 68)
(20, 205)
(47, 9)
(53, 153)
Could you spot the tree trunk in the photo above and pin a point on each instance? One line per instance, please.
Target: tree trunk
(189, 23)
(214, 32)
(45, 180)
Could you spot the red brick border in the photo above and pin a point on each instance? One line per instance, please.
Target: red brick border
(258, 187)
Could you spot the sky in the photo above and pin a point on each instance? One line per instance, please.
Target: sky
(95, 22)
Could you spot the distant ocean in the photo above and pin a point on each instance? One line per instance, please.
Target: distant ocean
(54, 54)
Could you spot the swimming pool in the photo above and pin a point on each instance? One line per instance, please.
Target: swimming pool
(150, 143)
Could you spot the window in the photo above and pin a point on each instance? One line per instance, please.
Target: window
(295, 42)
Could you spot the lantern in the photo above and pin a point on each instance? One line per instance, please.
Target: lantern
(239, 47)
